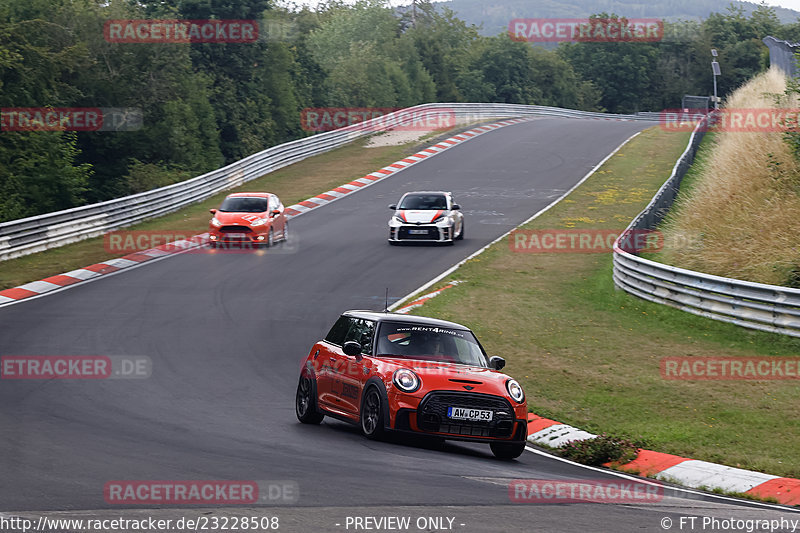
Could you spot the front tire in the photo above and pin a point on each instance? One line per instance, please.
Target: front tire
(305, 405)
(270, 239)
(507, 451)
(372, 414)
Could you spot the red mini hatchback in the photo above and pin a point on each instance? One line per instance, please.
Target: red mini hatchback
(250, 218)
(393, 372)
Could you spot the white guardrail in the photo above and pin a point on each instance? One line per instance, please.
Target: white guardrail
(752, 305)
(34, 234)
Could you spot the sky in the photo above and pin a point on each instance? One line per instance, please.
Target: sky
(791, 4)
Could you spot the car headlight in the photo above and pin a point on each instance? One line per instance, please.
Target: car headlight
(406, 380)
(440, 218)
(515, 390)
(398, 219)
(216, 223)
(260, 222)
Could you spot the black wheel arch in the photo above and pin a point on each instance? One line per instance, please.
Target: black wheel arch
(378, 384)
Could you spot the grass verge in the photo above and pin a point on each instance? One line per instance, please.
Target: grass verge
(589, 355)
(292, 184)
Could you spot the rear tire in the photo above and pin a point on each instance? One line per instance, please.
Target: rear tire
(305, 404)
(372, 414)
(507, 451)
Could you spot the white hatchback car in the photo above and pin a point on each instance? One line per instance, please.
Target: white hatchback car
(426, 216)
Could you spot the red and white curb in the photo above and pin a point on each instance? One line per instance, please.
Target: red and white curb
(419, 302)
(91, 272)
(673, 468)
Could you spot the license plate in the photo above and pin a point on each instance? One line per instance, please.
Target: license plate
(417, 232)
(235, 235)
(461, 413)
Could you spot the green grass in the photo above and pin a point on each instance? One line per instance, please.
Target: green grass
(292, 184)
(588, 354)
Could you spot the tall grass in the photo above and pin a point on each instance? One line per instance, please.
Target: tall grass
(741, 216)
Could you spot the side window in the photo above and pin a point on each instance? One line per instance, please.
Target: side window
(339, 330)
(362, 331)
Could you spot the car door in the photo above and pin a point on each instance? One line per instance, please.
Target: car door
(325, 360)
(279, 220)
(346, 383)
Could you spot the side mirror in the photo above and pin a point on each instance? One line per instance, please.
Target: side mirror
(212, 211)
(456, 206)
(393, 207)
(275, 212)
(351, 348)
(497, 362)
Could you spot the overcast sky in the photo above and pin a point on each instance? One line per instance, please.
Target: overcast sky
(791, 4)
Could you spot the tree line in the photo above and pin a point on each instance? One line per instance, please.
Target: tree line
(208, 104)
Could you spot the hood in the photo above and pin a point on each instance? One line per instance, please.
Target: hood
(454, 376)
(238, 219)
(414, 216)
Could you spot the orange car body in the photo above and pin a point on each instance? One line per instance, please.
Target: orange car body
(249, 218)
(478, 394)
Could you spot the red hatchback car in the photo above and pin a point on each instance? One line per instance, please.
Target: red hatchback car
(250, 218)
(393, 372)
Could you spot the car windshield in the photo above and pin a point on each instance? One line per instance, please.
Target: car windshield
(243, 204)
(430, 343)
(424, 201)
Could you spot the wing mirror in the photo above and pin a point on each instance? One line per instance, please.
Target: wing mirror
(351, 348)
(275, 212)
(212, 211)
(393, 207)
(456, 206)
(497, 362)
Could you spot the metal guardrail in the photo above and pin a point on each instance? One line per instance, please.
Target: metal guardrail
(34, 234)
(753, 305)
(782, 55)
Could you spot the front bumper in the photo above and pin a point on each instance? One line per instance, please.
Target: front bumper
(420, 233)
(238, 235)
(509, 423)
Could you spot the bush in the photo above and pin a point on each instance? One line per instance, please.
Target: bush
(600, 450)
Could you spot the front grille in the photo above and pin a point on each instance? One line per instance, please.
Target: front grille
(431, 233)
(432, 414)
(234, 229)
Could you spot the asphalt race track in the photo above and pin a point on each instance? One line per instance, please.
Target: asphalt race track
(226, 333)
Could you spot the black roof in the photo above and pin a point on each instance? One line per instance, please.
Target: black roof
(397, 317)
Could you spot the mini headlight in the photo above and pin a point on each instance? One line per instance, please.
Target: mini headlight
(406, 380)
(260, 222)
(216, 223)
(515, 390)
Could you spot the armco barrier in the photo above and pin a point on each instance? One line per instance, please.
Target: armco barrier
(752, 305)
(34, 234)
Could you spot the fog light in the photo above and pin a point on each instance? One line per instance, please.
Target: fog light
(213, 237)
(260, 238)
